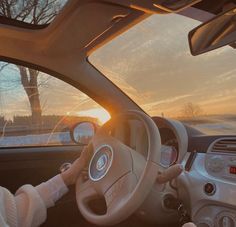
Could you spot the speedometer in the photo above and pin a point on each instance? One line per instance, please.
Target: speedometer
(169, 154)
(174, 140)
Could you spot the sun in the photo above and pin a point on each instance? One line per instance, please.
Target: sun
(99, 113)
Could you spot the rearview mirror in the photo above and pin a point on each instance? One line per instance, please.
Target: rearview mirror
(83, 132)
(174, 5)
(218, 32)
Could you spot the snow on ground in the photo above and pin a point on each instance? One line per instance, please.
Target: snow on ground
(42, 139)
(217, 126)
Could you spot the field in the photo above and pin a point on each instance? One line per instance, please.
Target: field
(55, 130)
(214, 124)
(57, 138)
(211, 125)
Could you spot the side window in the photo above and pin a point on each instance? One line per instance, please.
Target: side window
(37, 109)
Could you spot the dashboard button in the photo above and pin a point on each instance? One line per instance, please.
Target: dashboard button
(210, 188)
(233, 159)
(215, 164)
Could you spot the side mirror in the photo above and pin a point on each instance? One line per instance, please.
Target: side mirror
(215, 33)
(174, 5)
(83, 132)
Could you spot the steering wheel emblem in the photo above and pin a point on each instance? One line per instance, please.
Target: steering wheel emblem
(102, 162)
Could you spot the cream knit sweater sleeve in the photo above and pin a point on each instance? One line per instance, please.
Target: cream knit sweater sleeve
(29, 206)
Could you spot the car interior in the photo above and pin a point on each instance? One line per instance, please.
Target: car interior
(66, 73)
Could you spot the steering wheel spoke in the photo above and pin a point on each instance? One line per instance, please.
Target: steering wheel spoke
(139, 163)
(85, 192)
(120, 191)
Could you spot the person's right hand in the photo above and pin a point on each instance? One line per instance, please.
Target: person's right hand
(170, 174)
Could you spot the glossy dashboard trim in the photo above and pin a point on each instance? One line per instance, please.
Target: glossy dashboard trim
(201, 143)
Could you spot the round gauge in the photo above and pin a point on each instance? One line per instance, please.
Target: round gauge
(169, 153)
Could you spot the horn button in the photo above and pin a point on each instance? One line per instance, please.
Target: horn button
(100, 163)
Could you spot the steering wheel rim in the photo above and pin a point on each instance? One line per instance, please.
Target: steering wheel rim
(128, 177)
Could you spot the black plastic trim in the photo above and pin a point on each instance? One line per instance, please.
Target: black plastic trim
(21, 24)
(201, 143)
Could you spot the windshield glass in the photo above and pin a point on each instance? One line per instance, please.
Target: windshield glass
(152, 64)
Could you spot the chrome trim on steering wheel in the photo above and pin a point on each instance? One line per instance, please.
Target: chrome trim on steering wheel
(103, 162)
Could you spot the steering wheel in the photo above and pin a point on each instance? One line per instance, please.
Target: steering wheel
(119, 174)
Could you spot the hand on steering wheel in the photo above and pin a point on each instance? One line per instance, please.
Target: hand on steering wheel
(71, 175)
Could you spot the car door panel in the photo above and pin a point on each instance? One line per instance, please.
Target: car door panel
(34, 165)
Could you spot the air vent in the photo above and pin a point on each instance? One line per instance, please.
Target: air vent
(224, 146)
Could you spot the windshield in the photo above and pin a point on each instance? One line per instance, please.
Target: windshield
(152, 64)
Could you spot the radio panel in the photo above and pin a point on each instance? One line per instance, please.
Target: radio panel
(221, 165)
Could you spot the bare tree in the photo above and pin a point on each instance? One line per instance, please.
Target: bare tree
(29, 80)
(191, 110)
(34, 12)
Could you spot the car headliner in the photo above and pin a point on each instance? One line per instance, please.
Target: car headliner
(80, 28)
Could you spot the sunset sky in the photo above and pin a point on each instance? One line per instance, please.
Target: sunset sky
(56, 96)
(152, 63)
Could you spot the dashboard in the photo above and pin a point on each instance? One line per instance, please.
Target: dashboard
(174, 141)
(207, 187)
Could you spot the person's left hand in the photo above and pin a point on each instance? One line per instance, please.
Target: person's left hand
(70, 175)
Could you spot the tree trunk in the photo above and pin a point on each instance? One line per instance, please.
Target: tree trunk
(30, 83)
(35, 108)
(34, 12)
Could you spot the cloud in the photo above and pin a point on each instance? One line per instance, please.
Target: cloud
(121, 82)
(152, 64)
(228, 75)
(166, 101)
